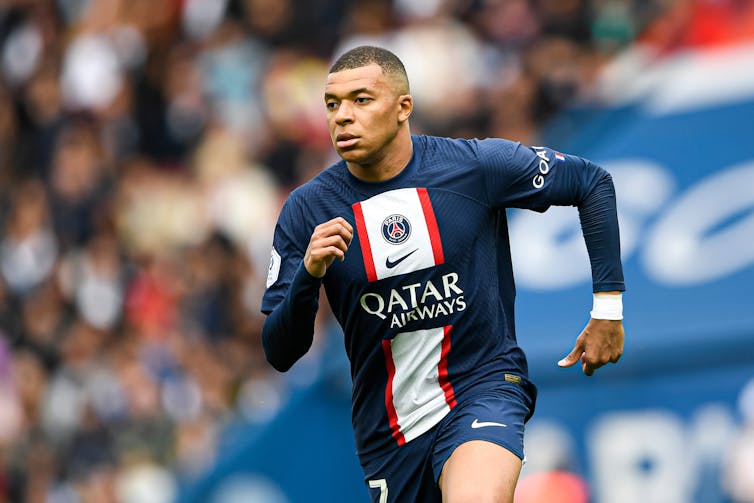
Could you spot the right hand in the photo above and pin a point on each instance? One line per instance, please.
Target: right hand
(330, 240)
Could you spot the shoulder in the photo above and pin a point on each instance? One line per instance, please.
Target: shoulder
(329, 179)
(498, 147)
(462, 148)
(313, 201)
(447, 147)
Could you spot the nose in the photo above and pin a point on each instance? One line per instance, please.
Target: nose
(344, 113)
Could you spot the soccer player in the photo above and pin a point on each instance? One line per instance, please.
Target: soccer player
(408, 235)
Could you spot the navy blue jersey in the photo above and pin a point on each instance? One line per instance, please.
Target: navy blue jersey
(425, 294)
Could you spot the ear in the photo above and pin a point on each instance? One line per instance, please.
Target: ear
(406, 104)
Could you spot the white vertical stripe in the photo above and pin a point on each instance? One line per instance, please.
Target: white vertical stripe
(418, 399)
(404, 202)
(380, 484)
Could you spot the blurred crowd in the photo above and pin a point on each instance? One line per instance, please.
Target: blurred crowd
(145, 149)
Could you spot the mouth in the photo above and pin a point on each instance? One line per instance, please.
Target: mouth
(345, 140)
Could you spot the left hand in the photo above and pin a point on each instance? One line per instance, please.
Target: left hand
(599, 343)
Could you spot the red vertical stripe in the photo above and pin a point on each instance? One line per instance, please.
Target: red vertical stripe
(366, 249)
(442, 369)
(391, 412)
(434, 231)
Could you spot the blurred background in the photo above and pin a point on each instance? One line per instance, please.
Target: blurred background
(146, 147)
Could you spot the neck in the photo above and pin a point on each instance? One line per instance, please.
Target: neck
(390, 163)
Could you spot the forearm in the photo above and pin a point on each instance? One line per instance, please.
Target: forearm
(288, 331)
(599, 224)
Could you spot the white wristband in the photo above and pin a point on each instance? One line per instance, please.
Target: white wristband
(607, 307)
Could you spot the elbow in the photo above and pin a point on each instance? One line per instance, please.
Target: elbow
(278, 363)
(284, 342)
(279, 360)
(277, 352)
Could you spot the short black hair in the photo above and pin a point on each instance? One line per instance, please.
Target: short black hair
(365, 55)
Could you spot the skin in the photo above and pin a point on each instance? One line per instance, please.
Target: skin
(367, 115)
(600, 342)
(479, 472)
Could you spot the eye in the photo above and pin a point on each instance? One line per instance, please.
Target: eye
(362, 100)
(331, 104)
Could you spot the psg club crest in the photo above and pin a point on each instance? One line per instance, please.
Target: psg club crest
(396, 229)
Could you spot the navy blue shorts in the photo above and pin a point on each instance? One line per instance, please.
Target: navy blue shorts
(409, 473)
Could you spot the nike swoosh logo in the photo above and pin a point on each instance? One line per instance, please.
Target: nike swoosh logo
(482, 424)
(390, 263)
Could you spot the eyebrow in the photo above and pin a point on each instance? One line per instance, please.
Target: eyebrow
(350, 93)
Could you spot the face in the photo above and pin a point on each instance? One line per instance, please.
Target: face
(365, 112)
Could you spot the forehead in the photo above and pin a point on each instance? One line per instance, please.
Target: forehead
(369, 77)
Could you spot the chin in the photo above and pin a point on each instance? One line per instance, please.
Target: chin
(352, 155)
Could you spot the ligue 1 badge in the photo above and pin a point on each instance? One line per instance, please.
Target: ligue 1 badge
(396, 229)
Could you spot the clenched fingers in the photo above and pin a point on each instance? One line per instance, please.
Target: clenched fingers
(330, 240)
